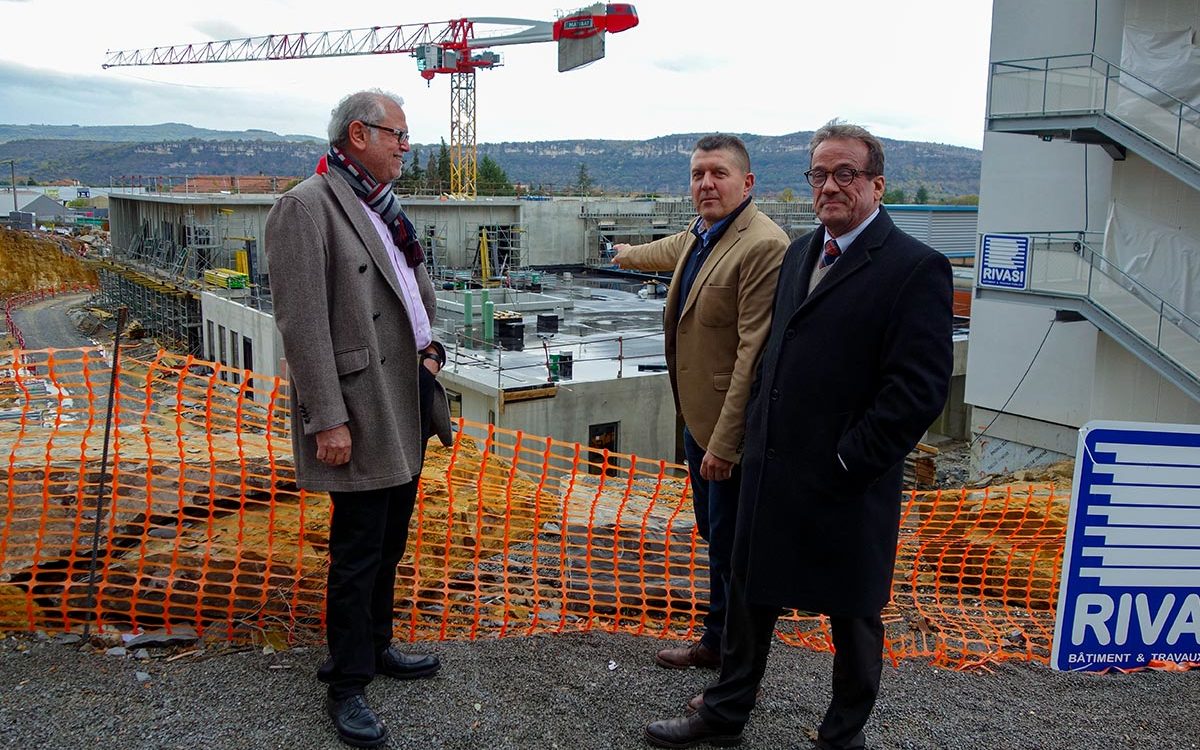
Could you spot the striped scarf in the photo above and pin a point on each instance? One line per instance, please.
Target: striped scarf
(379, 198)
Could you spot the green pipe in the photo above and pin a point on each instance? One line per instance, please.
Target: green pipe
(489, 321)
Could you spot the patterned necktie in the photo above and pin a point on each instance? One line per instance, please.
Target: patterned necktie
(832, 251)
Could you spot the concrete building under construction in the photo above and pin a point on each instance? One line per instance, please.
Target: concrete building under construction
(545, 335)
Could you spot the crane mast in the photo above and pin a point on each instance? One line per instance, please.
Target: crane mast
(440, 48)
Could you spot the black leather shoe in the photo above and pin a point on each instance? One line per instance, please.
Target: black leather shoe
(355, 722)
(405, 666)
(687, 731)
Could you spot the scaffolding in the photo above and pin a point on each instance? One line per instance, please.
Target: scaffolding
(169, 313)
(159, 275)
(496, 251)
(433, 239)
(608, 223)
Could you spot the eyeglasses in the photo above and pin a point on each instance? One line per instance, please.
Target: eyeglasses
(843, 176)
(401, 135)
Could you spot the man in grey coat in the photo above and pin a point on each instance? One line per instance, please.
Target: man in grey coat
(353, 303)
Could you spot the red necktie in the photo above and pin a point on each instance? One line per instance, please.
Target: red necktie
(832, 251)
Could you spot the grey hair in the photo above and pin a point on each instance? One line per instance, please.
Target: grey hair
(837, 129)
(364, 106)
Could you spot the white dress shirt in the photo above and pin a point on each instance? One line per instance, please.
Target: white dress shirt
(410, 292)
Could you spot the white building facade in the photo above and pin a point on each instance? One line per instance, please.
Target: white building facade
(1091, 170)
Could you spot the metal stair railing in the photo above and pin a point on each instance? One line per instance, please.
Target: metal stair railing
(1088, 84)
(1067, 264)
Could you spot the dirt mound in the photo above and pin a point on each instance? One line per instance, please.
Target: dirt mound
(27, 262)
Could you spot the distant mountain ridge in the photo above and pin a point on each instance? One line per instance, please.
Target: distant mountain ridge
(97, 154)
(167, 131)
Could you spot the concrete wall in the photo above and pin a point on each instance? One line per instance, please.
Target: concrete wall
(1004, 340)
(1160, 15)
(455, 224)
(1029, 185)
(229, 218)
(1126, 389)
(240, 323)
(1062, 27)
(642, 406)
(1141, 186)
(554, 232)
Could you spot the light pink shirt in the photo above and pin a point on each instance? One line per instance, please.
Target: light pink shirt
(410, 292)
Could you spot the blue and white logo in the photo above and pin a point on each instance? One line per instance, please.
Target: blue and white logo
(1130, 587)
(1004, 261)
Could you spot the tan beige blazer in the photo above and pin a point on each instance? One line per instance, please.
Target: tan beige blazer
(713, 348)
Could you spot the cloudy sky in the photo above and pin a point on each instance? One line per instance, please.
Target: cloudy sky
(914, 71)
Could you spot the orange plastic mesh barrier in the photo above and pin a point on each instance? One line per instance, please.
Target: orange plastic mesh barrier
(513, 534)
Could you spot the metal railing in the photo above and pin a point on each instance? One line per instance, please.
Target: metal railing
(1088, 84)
(1069, 264)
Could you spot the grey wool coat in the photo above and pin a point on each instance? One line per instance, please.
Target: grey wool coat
(348, 340)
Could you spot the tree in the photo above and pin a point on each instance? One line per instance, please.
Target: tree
(583, 181)
(922, 196)
(413, 178)
(788, 195)
(491, 179)
(895, 196)
(431, 174)
(962, 200)
(443, 168)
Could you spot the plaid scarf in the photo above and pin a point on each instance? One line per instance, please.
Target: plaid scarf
(379, 198)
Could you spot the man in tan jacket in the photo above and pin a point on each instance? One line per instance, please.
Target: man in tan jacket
(717, 317)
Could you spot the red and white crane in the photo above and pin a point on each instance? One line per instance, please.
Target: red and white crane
(447, 47)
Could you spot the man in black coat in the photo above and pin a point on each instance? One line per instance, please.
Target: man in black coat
(856, 368)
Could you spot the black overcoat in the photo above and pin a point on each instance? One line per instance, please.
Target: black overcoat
(859, 368)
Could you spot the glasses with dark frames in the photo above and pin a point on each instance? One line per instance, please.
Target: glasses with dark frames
(843, 176)
(401, 135)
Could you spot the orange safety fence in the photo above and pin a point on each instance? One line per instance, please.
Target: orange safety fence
(513, 534)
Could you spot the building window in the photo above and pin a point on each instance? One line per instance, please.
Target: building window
(455, 400)
(235, 376)
(221, 350)
(247, 353)
(212, 343)
(601, 437)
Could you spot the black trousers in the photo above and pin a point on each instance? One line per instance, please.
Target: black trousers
(368, 532)
(367, 535)
(857, 667)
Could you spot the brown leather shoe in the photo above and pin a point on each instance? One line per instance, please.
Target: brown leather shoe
(695, 703)
(687, 731)
(695, 655)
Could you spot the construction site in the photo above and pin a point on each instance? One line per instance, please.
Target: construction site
(151, 514)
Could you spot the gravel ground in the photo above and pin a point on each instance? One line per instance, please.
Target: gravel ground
(579, 691)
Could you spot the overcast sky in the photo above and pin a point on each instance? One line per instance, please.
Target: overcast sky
(913, 71)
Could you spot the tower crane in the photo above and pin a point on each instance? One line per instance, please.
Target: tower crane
(446, 47)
